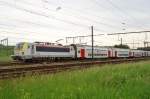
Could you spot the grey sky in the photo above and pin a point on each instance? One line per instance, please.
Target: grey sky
(41, 20)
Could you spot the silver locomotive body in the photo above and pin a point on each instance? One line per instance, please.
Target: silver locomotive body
(29, 51)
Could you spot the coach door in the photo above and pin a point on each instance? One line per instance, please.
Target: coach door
(115, 54)
(109, 53)
(82, 53)
(32, 49)
(130, 54)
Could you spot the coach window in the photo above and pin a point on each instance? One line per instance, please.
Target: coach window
(78, 51)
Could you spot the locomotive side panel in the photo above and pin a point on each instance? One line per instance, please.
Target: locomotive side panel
(60, 52)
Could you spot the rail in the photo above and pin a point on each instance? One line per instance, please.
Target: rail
(8, 72)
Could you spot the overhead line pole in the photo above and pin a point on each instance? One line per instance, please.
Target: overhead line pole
(4, 42)
(92, 42)
(121, 42)
(75, 37)
(146, 36)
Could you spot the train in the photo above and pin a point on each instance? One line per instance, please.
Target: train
(25, 51)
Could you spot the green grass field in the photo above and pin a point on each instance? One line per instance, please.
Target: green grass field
(5, 53)
(124, 81)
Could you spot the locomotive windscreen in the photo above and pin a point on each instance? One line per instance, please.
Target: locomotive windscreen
(19, 46)
(51, 49)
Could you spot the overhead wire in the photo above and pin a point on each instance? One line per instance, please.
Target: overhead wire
(78, 10)
(42, 14)
(87, 19)
(33, 23)
(6, 34)
(5, 30)
(123, 12)
(47, 16)
(37, 35)
(81, 17)
(129, 32)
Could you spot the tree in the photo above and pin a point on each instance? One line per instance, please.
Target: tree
(1, 45)
(122, 46)
(144, 48)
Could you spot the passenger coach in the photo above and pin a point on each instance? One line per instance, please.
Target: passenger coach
(85, 51)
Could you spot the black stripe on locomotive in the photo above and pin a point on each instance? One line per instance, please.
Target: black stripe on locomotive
(51, 49)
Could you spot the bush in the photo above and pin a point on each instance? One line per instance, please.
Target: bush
(122, 46)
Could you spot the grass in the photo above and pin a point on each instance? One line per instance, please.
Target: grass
(124, 81)
(5, 53)
(5, 59)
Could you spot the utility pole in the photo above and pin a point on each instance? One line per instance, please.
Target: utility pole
(73, 39)
(92, 42)
(146, 36)
(146, 44)
(4, 42)
(137, 32)
(121, 41)
(66, 41)
(7, 46)
(133, 43)
(80, 38)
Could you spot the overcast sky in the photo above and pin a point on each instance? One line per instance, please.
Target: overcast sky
(50, 20)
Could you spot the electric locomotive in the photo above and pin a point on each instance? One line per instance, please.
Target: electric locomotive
(41, 50)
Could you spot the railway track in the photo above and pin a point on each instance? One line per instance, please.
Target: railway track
(8, 72)
(16, 63)
(13, 63)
